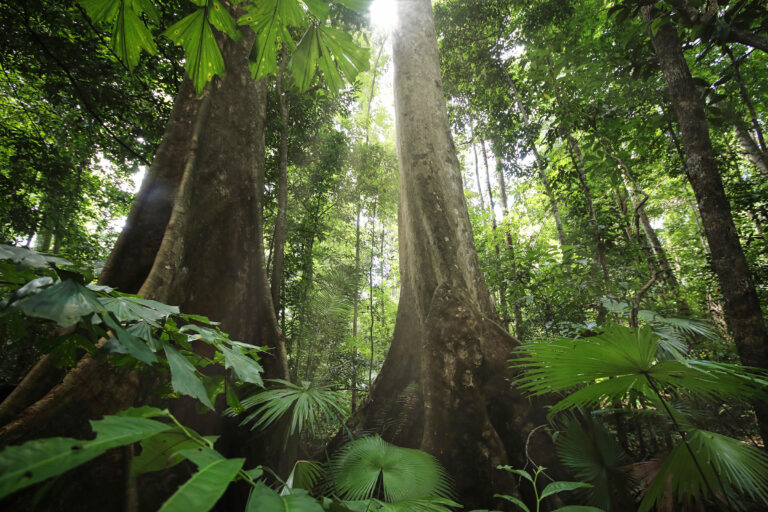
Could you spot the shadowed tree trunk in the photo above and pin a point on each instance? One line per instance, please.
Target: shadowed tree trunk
(742, 307)
(194, 239)
(443, 386)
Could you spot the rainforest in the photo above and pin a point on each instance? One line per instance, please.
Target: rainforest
(383, 255)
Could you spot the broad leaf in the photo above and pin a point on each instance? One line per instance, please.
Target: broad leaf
(201, 492)
(245, 368)
(184, 378)
(130, 36)
(65, 303)
(264, 499)
(128, 343)
(360, 6)
(556, 487)
(512, 499)
(161, 451)
(203, 59)
(270, 20)
(35, 461)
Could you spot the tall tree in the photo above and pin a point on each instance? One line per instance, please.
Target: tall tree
(443, 387)
(742, 306)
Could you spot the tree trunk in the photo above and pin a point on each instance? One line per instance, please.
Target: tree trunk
(753, 153)
(516, 309)
(355, 307)
(541, 168)
(443, 386)
(742, 307)
(194, 239)
(280, 231)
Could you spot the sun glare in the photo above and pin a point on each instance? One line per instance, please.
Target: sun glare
(383, 15)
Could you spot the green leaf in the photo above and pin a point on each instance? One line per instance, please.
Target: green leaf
(129, 309)
(270, 20)
(340, 56)
(65, 303)
(304, 401)
(184, 378)
(130, 36)
(201, 492)
(556, 487)
(145, 411)
(318, 8)
(128, 343)
(403, 473)
(578, 508)
(245, 368)
(203, 59)
(222, 20)
(360, 6)
(161, 451)
(520, 472)
(29, 258)
(264, 499)
(722, 460)
(201, 456)
(304, 60)
(101, 10)
(512, 499)
(35, 461)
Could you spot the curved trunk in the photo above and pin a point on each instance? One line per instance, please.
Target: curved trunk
(443, 386)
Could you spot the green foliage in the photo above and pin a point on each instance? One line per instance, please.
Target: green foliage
(201, 492)
(371, 467)
(125, 324)
(40, 459)
(608, 366)
(621, 365)
(305, 402)
(331, 51)
(551, 489)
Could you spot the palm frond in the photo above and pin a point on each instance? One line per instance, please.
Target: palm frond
(722, 465)
(370, 466)
(594, 456)
(418, 505)
(305, 402)
(622, 360)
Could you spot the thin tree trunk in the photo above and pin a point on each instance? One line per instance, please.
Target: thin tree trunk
(477, 169)
(753, 153)
(541, 168)
(443, 386)
(742, 307)
(356, 302)
(280, 230)
(502, 284)
(746, 98)
(516, 309)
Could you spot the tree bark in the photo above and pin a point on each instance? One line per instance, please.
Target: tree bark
(754, 154)
(742, 307)
(194, 238)
(443, 386)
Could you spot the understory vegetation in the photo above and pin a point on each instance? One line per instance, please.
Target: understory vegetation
(238, 273)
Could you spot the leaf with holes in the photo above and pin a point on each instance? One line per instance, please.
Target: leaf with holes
(35, 461)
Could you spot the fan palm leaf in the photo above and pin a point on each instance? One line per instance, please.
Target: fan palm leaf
(371, 466)
(724, 464)
(305, 402)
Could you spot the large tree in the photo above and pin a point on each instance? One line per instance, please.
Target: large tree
(443, 387)
(194, 238)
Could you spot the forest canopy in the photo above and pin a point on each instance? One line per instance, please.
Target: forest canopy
(354, 255)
